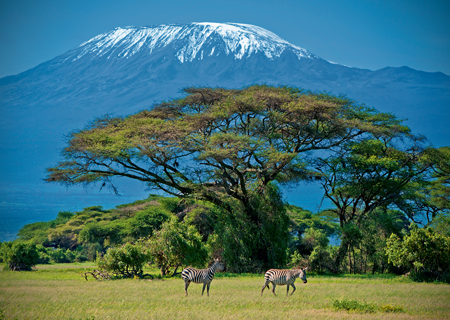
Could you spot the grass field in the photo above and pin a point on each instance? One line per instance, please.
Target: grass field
(60, 292)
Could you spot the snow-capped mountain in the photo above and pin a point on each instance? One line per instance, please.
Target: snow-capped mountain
(127, 69)
(203, 40)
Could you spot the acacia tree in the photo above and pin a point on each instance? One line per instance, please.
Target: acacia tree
(432, 198)
(220, 145)
(376, 174)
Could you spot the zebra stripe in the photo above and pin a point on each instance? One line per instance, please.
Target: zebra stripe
(282, 278)
(204, 276)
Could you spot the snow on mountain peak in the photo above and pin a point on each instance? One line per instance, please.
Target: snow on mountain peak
(190, 41)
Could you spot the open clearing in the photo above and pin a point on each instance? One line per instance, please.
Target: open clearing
(60, 292)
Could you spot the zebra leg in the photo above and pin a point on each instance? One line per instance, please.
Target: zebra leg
(207, 289)
(204, 285)
(287, 292)
(273, 288)
(293, 286)
(266, 284)
(186, 285)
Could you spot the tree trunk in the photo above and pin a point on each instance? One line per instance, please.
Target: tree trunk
(175, 271)
(350, 261)
(342, 252)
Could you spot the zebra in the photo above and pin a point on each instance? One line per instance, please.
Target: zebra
(283, 277)
(204, 276)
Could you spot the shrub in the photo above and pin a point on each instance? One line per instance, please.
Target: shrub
(59, 256)
(88, 252)
(175, 245)
(80, 258)
(363, 307)
(425, 252)
(19, 255)
(126, 260)
(320, 259)
(44, 257)
(145, 222)
(297, 260)
(354, 306)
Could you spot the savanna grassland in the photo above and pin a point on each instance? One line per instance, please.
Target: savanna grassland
(61, 292)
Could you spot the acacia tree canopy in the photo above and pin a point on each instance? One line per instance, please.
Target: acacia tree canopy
(224, 146)
(217, 142)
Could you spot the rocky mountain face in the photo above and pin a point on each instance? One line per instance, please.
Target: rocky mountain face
(128, 69)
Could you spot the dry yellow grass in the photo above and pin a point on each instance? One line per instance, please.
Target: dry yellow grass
(59, 292)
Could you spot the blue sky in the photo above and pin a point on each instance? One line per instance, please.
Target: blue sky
(364, 34)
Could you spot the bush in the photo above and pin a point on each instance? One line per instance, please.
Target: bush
(363, 307)
(175, 245)
(44, 257)
(354, 306)
(126, 260)
(425, 252)
(88, 252)
(19, 255)
(145, 222)
(62, 256)
(321, 259)
(80, 258)
(297, 260)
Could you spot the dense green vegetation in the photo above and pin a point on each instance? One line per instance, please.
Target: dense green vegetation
(178, 233)
(174, 232)
(223, 156)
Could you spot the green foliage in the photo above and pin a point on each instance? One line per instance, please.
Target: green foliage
(145, 222)
(35, 232)
(126, 260)
(88, 252)
(315, 238)
(59, 255)
(321, 258)
(303, 220)
(425, 252)
(226, 147)
(176, 244)
(257, 241)
(19, 255)
(44, 256)
(363, 307)
(99, 232)
(315, 252)
(441, 225)
(63, 217)
(383, 172)
(297, 260)
(95, 227)
(440, 187)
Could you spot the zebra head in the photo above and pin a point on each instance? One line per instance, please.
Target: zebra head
(301, 273)
(218, 266)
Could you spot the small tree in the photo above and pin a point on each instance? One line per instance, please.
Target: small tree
(126, 260)
(425, 252)
(176, 244)
(19, 256)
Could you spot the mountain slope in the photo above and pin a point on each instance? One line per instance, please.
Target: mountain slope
(127, 69)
